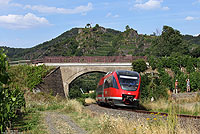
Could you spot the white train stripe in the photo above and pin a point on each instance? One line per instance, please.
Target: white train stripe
(115, 98)
(128, 77)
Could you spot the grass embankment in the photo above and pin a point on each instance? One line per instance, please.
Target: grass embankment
(37, 104)
(189, 106)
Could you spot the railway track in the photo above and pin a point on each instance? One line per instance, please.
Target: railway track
(151, 112)
(179, 115)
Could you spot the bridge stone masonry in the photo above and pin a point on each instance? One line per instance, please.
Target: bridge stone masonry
(69, 69)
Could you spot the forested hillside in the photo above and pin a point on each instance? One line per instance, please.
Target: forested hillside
(100, 41)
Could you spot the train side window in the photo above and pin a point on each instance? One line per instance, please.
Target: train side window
(114, 83)
(106, 84)
(109, 79)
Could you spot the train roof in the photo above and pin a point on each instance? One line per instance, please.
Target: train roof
(119, 72)
(125, 72)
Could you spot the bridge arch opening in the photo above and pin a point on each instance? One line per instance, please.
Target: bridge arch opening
(85, 83)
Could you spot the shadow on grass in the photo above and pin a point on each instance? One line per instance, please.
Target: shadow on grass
(26, 121)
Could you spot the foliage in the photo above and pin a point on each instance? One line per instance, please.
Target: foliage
(87, 83)
(183, 66)
(152, 62)
(139, 65)
(74, 93)
(27, 77)
(181, 81)
(145, 80)
(152, 87)
(11, 100)
(194, 81)
(169, 42)
(165, 79)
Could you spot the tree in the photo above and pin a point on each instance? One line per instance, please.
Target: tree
(196, 52)
(153, 61)
(97, 26)
(139, 65)
(170, 41)
(190, 66)
(88, 25)
(194, 81)
(127, 27)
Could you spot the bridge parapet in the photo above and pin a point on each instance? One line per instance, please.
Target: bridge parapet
(90, 59)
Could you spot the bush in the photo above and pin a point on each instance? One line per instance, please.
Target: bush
(74, 93)
(153, 62)
(181, 81)
(190, 66)
(194, 81)
(139, 65)
(144, 87)
(10, 100)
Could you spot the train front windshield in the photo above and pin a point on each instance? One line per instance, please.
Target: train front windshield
(129, 83)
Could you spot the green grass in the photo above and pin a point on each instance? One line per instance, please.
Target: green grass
(180, 108)
(29, 122)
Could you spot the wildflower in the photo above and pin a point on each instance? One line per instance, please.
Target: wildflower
(164, 115)
(152, 113)
(147, 118)
(158, 112)
(154, 119)
(160, 116)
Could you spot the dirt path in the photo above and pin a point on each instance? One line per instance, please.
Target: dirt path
(58, 123)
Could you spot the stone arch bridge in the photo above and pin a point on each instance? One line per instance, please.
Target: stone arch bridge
(57, 82)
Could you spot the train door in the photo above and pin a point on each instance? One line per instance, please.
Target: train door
(106, 88)
(110, 86)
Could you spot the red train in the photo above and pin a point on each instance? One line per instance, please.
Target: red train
(119, 88)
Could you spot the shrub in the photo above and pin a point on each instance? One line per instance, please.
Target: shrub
(10, 100)
(181, 81)
(74, 93)
(139, 65)
(190, 66)
(194, 81)
(144, 87)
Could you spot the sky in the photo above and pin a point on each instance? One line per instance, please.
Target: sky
(27, 23)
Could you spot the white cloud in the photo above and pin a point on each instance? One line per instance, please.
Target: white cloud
(29, 20)
(190, 18)
(112, 16)
(149, 5)
(165, 8)
(138, 1)
(8, 3)
(4, 2)
(47, 9)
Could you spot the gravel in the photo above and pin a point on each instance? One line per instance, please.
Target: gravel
(61, 124)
